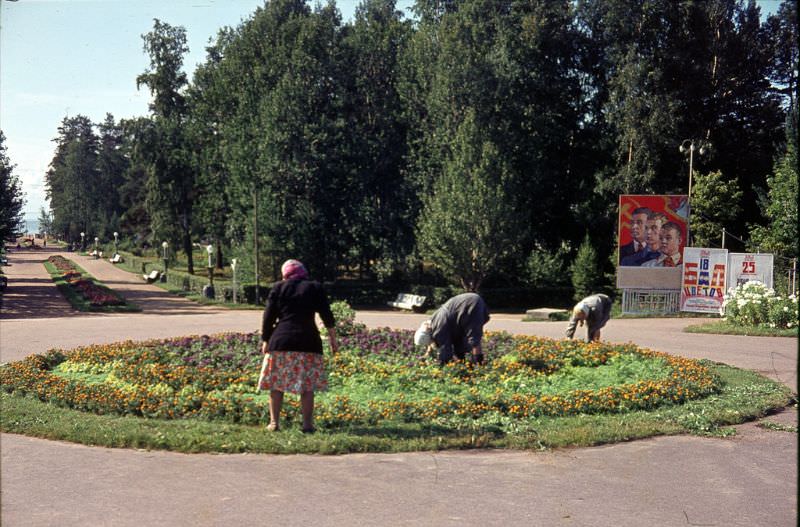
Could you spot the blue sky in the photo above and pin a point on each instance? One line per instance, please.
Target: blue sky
(61, 58)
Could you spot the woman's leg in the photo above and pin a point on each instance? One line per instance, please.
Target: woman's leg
(275, 403)
(307, 409)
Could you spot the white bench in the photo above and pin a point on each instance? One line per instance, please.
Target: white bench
(407, 301)
(152, 277)
(115, 259)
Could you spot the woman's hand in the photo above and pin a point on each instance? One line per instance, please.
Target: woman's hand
(264, 347)
(332, 341)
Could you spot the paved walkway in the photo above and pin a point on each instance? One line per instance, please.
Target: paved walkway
(750, 479)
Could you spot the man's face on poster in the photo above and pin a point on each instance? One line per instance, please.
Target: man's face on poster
(670, 241)
(653, 234)
(637, 227)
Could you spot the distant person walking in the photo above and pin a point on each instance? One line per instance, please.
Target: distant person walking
(456, 328)
(595, 310)
(291, 342)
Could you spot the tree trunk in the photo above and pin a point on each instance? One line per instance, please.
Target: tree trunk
(187, 248)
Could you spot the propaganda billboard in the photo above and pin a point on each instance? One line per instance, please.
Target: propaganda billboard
(653, 232)
(704, 279)
(746, 267)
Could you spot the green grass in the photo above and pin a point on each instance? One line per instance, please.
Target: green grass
(778, 427)
(726, 328)
(745, 396)
(190, 295)
(77, 301)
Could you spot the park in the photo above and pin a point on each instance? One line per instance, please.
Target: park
(516, 263)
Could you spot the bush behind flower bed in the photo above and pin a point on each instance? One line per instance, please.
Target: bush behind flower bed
(754, 304)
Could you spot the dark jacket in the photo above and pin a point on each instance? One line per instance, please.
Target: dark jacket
(459, 322)
(288, 323)
(637, 259)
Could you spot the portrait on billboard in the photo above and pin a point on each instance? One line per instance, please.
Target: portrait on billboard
(652, 230)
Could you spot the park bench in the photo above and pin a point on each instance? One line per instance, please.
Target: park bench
(152, 277)
(115, 259)
(408, 301)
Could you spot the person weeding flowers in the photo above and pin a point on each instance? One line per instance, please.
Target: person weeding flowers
(291, 343)
(595, 310)
(456, 328)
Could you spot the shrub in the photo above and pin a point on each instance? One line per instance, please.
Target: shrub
(754, 304)
(586, 274)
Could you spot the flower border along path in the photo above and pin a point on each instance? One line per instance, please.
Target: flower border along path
(198, 394)
(82, 290)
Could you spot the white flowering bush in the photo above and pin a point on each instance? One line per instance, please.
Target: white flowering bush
(754, 304)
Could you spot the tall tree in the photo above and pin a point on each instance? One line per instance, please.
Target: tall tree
(779, 207)
(379, 219)
(469, 221)
(73, 182)
(301, 154)
(208, 104)
(514, 64)
(11, 197)
(111, 165)
(682, 70)
(170, 184)
(715, 204)
(135, 220)
(45, 221)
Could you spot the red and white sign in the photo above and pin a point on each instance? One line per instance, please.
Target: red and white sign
(704, 279)
(746, 267)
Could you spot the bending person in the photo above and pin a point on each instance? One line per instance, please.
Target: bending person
(456, 328)
(291, 341)
(595, 310)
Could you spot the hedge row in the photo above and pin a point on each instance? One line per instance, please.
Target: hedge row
(365, 293)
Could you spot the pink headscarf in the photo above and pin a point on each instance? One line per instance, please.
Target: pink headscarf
(293, 270)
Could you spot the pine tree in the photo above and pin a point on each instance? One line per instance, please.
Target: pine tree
(586, 274)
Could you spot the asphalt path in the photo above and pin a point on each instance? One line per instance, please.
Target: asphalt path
(749, 479)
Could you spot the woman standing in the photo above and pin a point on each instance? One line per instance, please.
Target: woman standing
(291, 341)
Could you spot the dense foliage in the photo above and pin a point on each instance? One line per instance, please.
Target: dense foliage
(477, 136)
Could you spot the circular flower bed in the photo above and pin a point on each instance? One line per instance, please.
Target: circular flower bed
(377, 377)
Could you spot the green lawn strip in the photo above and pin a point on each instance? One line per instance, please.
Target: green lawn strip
(744, 396)
(191, 295)
(76, 299)
(726, 328)
(779, 427)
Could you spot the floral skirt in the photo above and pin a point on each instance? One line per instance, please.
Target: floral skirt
(294, 371)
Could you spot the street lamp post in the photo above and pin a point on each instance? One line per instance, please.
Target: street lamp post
(83, 244)
(234, 265)
(96, 254)
(116, 240)
(210, 251)
(165, 256)
(688, 146)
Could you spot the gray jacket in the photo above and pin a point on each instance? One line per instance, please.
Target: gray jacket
(599, 311)
(460, 321)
